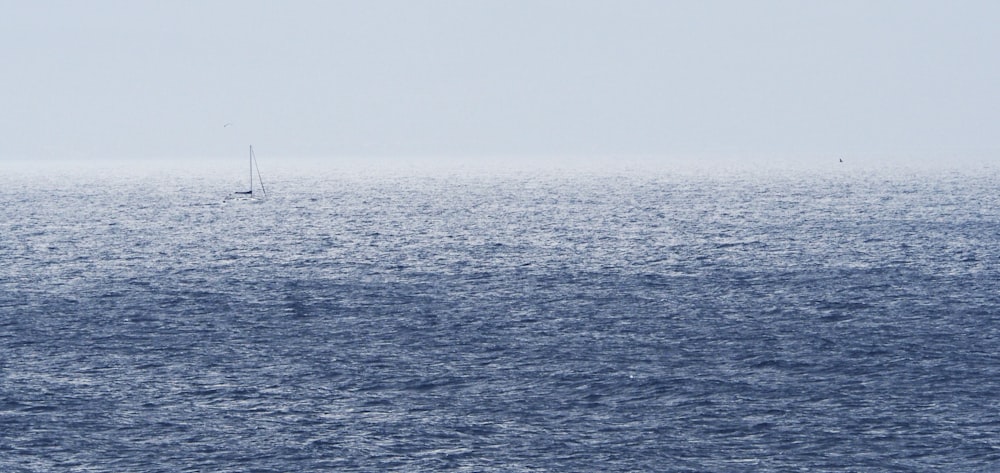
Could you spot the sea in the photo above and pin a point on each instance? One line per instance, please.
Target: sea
(842, 317)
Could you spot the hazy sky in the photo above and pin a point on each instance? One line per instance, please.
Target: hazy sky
(159, 79)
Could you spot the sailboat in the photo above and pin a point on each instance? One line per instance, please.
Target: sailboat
(249, 193)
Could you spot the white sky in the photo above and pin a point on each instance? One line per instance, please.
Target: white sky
(479, 78)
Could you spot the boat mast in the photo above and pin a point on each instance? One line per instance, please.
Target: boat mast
(251, 169)
(260, 180)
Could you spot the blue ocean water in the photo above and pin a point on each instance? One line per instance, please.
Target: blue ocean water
(828, 319)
